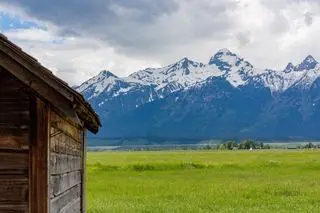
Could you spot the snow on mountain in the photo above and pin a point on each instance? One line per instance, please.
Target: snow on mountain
(308, 63)
(107, 82)
(240, 72)
(236, 69)
(289, 68)
(185, 73)
(308, 77)
(175, 76)
(224, 59)
(276, 81)
(228, 97)
(100, 81)
(302, 75)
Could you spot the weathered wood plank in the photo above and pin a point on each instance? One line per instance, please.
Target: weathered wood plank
(13, 130)
(83, 180)
(63, 182)
(13, 161)
(18, 120)
(22, 172)
(6, 115)
(14, 142)
(9, 82)
(14, 114)
(20, 177)
(60, 163)
(39, 160)
(74, 207)
(59, 203)
(19, 91)
(59, 123)
(13, 208)
(63, 144)
(6, 105)
(14, 190)
(12, 91)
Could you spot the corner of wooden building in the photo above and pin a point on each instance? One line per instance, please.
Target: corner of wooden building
(42, 143)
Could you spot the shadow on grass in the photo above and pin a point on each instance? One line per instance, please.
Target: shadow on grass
(177, 166)
(140, 167)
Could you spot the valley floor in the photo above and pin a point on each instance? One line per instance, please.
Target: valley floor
(203, 181)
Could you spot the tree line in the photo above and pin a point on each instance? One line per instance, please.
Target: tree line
(251, 144)
(245, 144)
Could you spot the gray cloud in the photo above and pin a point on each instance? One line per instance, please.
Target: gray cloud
(243, 38)
(127, 35)
(308, 18)
(141, 27)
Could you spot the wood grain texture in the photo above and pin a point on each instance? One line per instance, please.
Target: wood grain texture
(63, 144)
(66, 165)
(13, 208)
(61, 164)
(14, 145)
(14, 142)
(14, 190)
(14, 113)
(39, 199)
(83, 181)
(59, 203)
(63, 182)
(73, 207)
(61, 124)
(13, 161)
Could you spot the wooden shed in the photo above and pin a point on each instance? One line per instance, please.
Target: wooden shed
(43, 126)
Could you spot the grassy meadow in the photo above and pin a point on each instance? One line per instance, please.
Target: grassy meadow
(203, 181)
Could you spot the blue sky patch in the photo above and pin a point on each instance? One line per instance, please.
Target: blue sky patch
(10, 22)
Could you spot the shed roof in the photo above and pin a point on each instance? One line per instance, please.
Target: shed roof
(45, 84)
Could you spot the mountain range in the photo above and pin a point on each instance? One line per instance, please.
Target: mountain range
(222, 99)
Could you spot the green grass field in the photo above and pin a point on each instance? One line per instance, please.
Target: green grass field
(203, 181)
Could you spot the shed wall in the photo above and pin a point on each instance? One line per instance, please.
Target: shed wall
(14, 145)
(66, 166)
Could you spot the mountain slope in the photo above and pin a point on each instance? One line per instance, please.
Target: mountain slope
(225, 98)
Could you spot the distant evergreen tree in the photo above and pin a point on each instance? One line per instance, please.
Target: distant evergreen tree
(267, 146)
(261, 145)
(247, 144)
(309, 146)
(222, 146)
(231, 145)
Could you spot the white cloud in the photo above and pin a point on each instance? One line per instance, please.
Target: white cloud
(277, 31)
(124, 36)
(71, 58)
(32, 35)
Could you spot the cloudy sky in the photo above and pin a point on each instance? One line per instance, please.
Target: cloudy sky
(78, 38)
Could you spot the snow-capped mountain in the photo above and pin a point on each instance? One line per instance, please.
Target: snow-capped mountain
(107, 82)
(188, 86)
(185, 73)
(175, 76)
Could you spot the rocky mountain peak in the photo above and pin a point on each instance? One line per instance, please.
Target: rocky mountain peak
(307, 64)
(290, 67)
(224, 59)
(106, 74)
